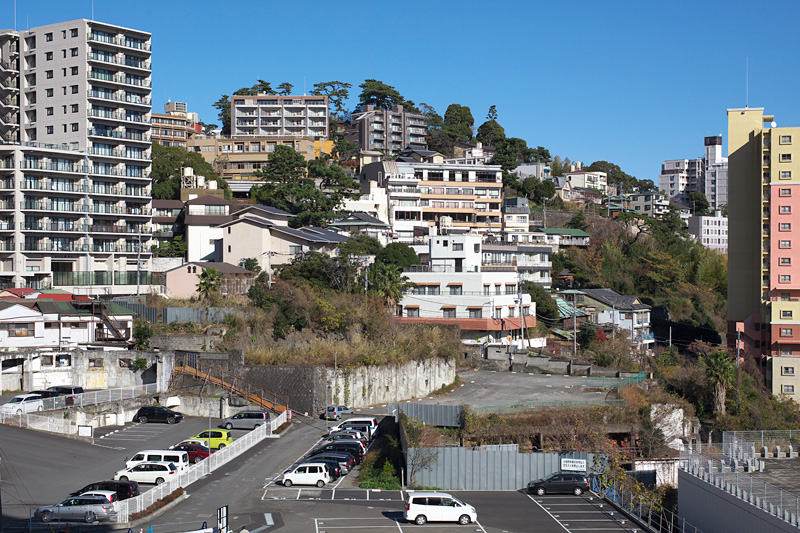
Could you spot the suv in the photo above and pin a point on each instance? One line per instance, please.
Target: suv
(353, 448)
(78, 509)
(246, 419)
(66, 390)
(124, 489)
(156, 413)
(438, 507)
(559, 483)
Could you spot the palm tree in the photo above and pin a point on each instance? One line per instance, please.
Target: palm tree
(720, 374)
(388, 282)
(210, 280)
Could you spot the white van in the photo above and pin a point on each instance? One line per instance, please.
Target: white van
(437, 507)
(306, 474)
(178, 458)
(357, 420)
(22, 404)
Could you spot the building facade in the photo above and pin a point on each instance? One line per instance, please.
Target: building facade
(763, 280)
(175, 126)
(390, 130)
(707, 174)
(270, 115)
(75, 187)
(711, 231)
(650, 203)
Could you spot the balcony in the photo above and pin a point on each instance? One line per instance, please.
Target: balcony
(122, 117)
(115, 228)
(122, 80)
(114, 134)
(60, 207)
(7, 246)
(126, 154)
(75, 168)
(56, 187)
(123, 43)
(112, 97)
(113, 60)
(54, 226)
(55, 247)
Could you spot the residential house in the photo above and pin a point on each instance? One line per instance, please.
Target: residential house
(589, 179)
(540, 171)
(623, 313)
(165, 220)
(707, 174)
(181, 281)
(561, 237)
(649, 203)
(516, 214)
(203, 218)
(530, 260)
(365, 224)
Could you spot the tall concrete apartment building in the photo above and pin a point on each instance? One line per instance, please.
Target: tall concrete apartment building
(392, 130)
(707, 174)
(763, 252)
(75, 191)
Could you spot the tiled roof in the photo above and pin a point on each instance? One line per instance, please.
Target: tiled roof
(564, 231)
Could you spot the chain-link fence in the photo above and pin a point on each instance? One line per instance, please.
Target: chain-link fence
(749, 445)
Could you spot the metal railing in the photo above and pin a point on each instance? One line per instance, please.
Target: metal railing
(746, 446)
(765, 496)
(646, 511)
(614, 383)
(190, 475)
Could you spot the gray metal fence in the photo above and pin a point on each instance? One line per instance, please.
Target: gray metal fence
(485, 468)
(431, 414)
(199, 315)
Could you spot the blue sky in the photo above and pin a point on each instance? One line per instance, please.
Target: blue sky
(629, 82)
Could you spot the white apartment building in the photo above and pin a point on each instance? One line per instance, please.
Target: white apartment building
(457, 288)
(707, 174)
(711, 231)
(428, 198)
(649, 203)
(75, 187)
(271, 115)
(587, 179)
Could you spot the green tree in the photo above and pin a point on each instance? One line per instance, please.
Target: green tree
(458, 123)
(285, 88)
(359, 245)
(142, 333)
(492, 114)
(586, 335)
(209, 282)
(537, 190)
(436, 138)
(337, 92)
(578, 221)
(251, 264)
(314, 267)
(344, 149)
(720, 374)
(398, 254)
(285, 164)
(379, 94)
(546, 307)
(388, 282)
(223, 106)
(167, 162)
(175, 248)
(511, 152)
(490, 132)
(616, 176)
(699, 202)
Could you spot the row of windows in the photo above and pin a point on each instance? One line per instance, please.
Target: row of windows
(73, 52)
(72, 33)
(49, 92)
(73, 72)
(413, 312)
(73, 127)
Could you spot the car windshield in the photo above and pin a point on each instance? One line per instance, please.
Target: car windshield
(17, 400)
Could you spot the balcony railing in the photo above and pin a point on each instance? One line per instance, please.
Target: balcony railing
(124, 117)
(56, 187)
(114, 98)
(127, 62)
(135, 45)
(53, 226)
(124, 80)
(49, 206)
(77, 168)
(115, 228)
(119, 153)
(114, 134)
(54, 247)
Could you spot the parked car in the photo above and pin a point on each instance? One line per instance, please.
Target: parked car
(353, 448)
(370, 421)
(335, 470)
(23, 403)
(215, 438)
(346, 460)
(190, 441)
(425, 507)
(66, 390)
(156, 473)
(353, 432)
(45, 393)
(177, 457)
(306, 474)
(87, 509)
(197, 452)
(156, 413)
(109, 495)
(559, 483)
(335, 412)
(246, 420)
(124, 489)
(345, 437)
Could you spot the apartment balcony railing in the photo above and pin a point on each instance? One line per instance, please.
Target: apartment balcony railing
(56, 187)
(125, 43)
(6, 204)
(7, 184)
(124, 80)
(115, 228)
(109, 248)
(7, 246)
(54, 247)
(127, 62)
(113, 134)
(123, 117)
(50, 206)
(119, 153)
(114, 98)
(76, 168)
(53, 226)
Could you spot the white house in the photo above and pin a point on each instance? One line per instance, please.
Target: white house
(625, 313)
(711, 231)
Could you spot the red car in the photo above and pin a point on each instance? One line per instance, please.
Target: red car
(197, 452)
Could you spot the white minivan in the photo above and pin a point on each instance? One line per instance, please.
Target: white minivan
(437, 507)
(306, 474)
(23, 403)
(178, 458)
(369, 421)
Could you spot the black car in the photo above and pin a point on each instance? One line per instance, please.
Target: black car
(353, 448)
(66, 390)
(334, 469)
(124, 489)
(559, 483)
(156, 413)
(345, 460)
(45, 393)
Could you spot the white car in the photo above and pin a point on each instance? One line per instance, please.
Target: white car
(23, 403)
(438, 507)
(152, 472)
(306, 474)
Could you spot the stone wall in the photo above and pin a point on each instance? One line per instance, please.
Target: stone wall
(192, 343)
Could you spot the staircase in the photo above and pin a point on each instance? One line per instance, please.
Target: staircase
(190, 365)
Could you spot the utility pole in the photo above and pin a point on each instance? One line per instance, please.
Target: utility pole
(738, 375)
(521, 308)
(574, 330)
(613, 323)
(670, 336)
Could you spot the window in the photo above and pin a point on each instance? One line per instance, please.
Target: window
(449, 312)
(455, 290)
(74, 108)
(48, 56)
(74, 126)
(476, 313)
(786, 244)
(74, 71)
(786, 174)
(786, 260)
(65, 128)
(49, 111)
(786, 192)
(786, 332)
(786, 226)
(412, 312)
(73, 52)
(48, 92)
(73, 33)
(64, 53)
(49, 130)
(787, 350)
(74, 89)
(786, 278)
(48, 74)
(294, 250)
(786, 313)
(64, 72)
(458, 246)
(48, 37)
(786, 209)
(788, 389)
(785, 158)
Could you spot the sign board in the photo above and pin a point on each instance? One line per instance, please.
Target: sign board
(85, 431)
(573, 465)
(222, 519)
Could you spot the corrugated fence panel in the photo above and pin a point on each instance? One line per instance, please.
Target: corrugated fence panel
(199, 315)
(503, 468)
(432, 414)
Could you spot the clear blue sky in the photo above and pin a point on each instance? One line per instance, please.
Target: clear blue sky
(629, 82)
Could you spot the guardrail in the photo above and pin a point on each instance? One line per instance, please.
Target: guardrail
(193, 473)
(278, 421)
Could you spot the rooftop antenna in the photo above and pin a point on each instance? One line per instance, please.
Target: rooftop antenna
(15, 15)
(92, 9)
(746, 82)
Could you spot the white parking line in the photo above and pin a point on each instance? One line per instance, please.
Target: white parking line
(546, 511)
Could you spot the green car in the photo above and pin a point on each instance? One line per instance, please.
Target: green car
(215, 438)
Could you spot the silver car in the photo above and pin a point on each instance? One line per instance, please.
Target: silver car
(87, 509)
(246, 420)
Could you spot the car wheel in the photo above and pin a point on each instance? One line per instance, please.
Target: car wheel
(171, 420)
(578, 491)
(540, 491)
(47, 516)
(287, 482)
(320, 483)
(464, 519)
(19, 412)
(229, 426)
(159, 480)
(220, 446)
(420, 519)
(143, 420)
(257, 426)
(90, 518)
(123, 478)
(40, 408)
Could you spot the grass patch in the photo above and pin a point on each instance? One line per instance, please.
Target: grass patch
(444, 390)
(283, 427)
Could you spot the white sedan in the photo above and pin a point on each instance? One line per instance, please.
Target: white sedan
(152, 472)
(23, 403)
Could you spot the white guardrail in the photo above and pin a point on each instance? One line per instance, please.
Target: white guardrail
(203, 468)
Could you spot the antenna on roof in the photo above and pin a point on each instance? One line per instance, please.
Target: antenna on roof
(746, 82)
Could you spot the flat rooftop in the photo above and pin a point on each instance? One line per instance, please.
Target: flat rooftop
(783, 473)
